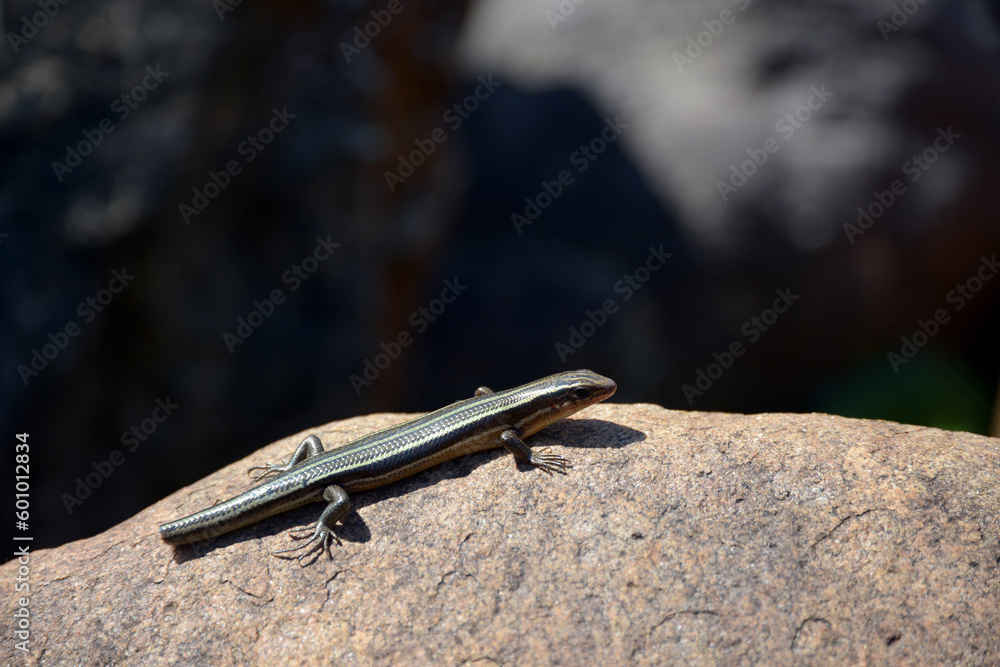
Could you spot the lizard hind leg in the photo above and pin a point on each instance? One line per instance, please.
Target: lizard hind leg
(320, 534)
(307, 449)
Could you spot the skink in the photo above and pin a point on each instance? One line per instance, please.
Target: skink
(489, 419)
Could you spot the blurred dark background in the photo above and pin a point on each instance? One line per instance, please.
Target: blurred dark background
(740, 138)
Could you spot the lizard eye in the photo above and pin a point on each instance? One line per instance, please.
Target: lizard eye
(581, 392)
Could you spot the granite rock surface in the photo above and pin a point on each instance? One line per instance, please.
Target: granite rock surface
(677, 538)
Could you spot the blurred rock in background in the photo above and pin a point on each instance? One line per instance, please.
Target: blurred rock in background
(319, 210)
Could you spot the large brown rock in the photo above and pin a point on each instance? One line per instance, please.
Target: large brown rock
(677, 538)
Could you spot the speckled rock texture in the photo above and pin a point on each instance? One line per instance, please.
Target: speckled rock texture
(677, 538)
